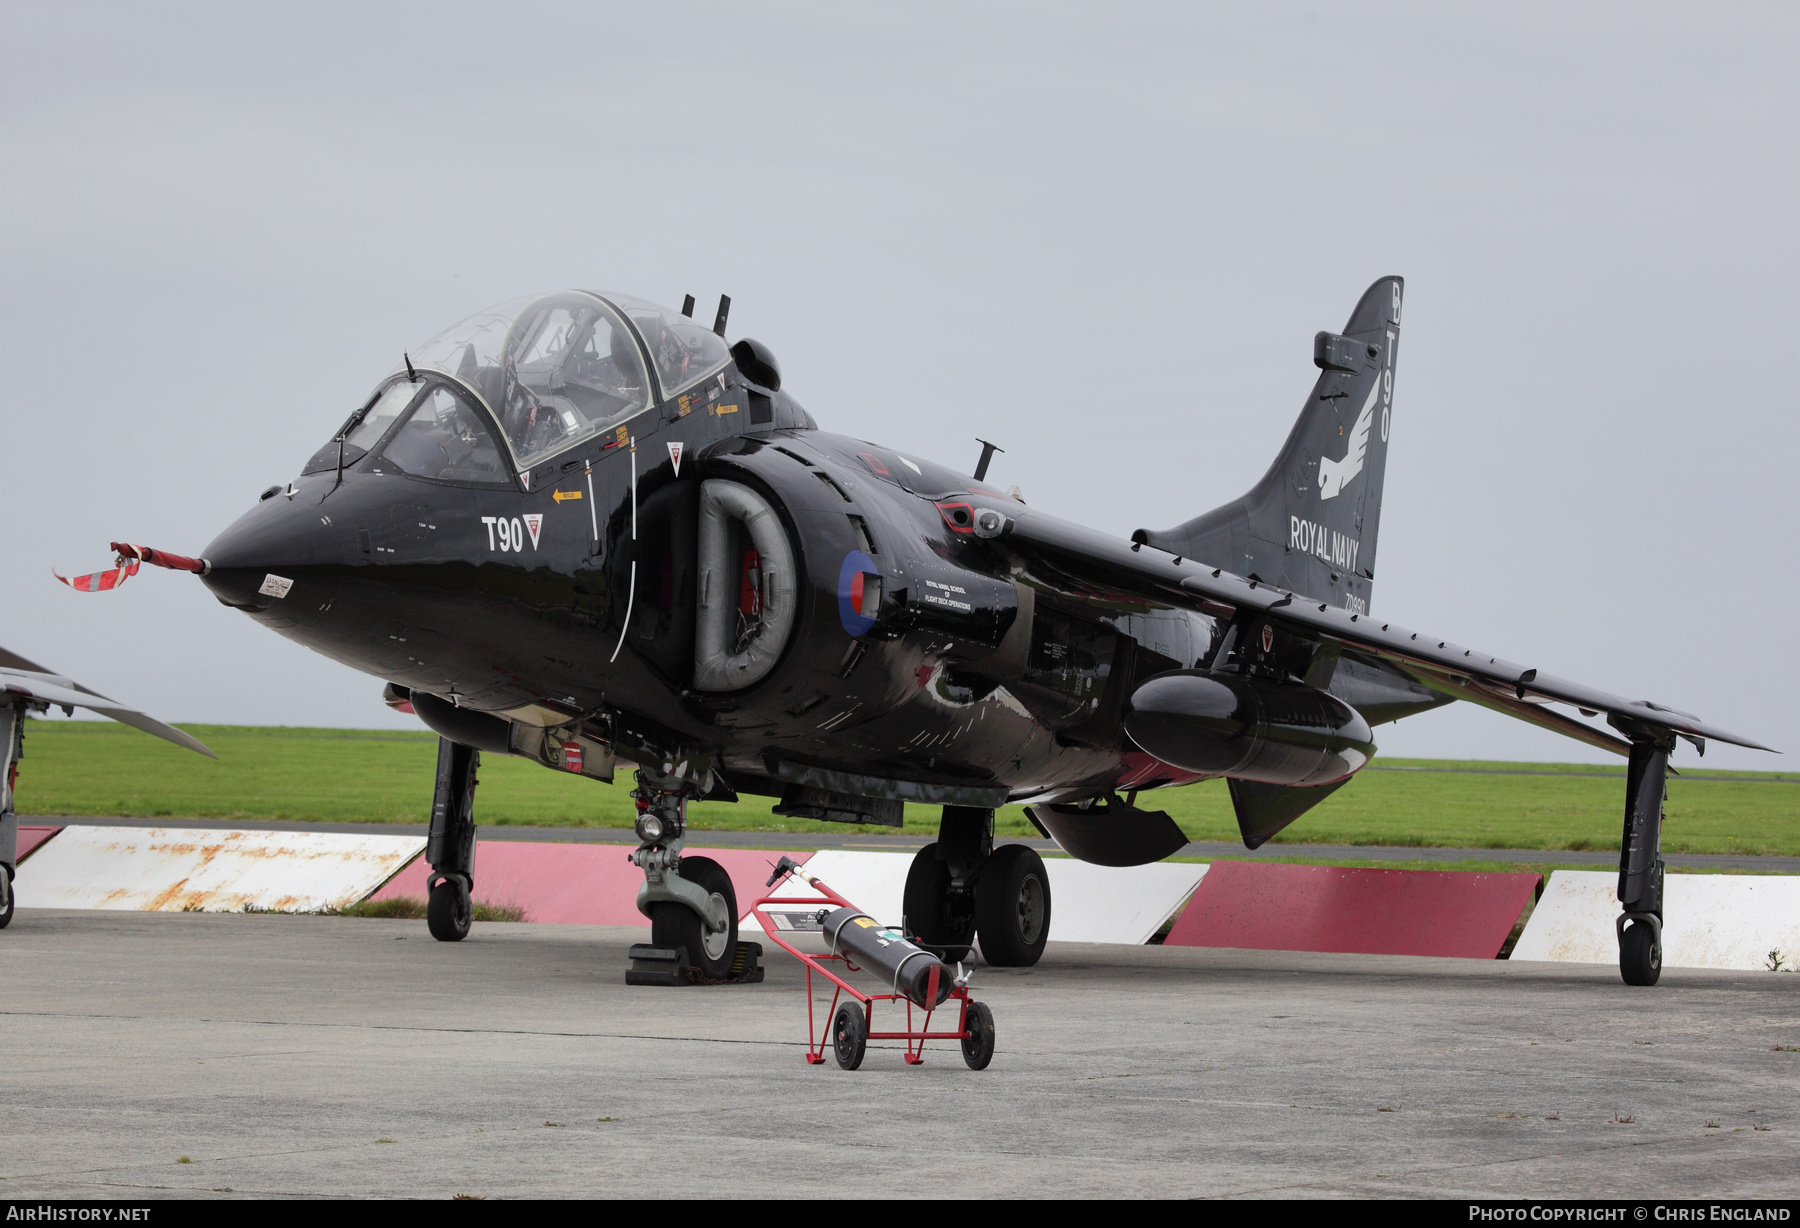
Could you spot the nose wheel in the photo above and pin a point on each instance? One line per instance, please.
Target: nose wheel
(674, 924)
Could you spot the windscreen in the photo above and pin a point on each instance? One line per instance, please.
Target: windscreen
(367, 430)
(444, 438)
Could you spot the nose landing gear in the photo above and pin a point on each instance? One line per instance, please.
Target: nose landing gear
(690, 900)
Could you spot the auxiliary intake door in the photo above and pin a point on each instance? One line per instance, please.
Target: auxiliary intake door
(748, 589)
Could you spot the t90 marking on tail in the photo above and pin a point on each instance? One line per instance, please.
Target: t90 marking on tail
(1387, 374)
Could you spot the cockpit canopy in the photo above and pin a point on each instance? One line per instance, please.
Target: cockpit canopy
(557, 368)
(552, 370)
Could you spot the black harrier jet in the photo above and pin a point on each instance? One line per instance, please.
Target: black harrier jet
(581, 529)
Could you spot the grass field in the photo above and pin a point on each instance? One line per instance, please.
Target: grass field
(382, 776)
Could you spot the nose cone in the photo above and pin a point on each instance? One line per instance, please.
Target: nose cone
(275, 548)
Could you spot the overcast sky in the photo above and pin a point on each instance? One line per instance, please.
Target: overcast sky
(1100, 235)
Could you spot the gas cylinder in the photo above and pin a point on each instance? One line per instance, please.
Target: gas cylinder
(888, 954)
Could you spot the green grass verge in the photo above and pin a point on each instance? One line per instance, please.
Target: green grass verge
(381, 776)
(1476, 865)
(412, 908)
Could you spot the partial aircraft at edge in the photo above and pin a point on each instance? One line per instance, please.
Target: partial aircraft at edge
(578, 528)
(27, 687)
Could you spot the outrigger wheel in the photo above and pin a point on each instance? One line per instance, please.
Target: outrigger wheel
(449, 910)
(1640, 954)
(7, 898)
(677, 925)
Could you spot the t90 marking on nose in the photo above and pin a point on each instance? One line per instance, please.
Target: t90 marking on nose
(510, 535)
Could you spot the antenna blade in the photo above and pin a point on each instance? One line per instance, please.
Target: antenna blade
(987, 454)
(687, 307)
(724, 311)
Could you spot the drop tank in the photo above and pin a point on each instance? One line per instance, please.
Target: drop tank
(1248, 728)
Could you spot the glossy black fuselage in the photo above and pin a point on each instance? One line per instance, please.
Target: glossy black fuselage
(973, 667)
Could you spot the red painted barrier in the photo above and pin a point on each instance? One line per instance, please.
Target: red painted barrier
(1268, 906)
(31, 837)
(578, 884)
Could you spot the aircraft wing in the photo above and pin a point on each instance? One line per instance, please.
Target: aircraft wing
(48, 688)
(1147, 573)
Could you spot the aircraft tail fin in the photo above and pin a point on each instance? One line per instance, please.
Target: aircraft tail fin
(1310, 524)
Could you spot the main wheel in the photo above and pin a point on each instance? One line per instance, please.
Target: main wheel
(978, 1045)
(1640, 954)
(849, 1035)
(449, 911)
(926, 908)
(7, 899)
(673, 925)
(1012, 907)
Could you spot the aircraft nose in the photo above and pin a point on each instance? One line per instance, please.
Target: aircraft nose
(277, 546)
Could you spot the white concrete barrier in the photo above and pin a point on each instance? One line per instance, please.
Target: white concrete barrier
(1087, 903)
(171, 869)
(1713, 920)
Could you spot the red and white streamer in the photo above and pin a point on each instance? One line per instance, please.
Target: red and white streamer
(125, 565)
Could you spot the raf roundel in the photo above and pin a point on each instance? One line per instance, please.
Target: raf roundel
(859, 593)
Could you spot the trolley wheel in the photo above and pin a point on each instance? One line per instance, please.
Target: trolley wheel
(677, 925)
(449, 911)
(1012, 907)
(849, 1035)
(1640, 955)
(925, 908)
(978, 1045)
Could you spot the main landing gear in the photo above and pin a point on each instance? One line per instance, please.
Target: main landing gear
(962, 889)
(1640, 920)
(450, 848)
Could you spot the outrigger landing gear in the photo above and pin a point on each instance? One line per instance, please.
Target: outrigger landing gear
(1640, 855)
(962, 888)
(690, 900)
(12, 742)
(450, 848)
